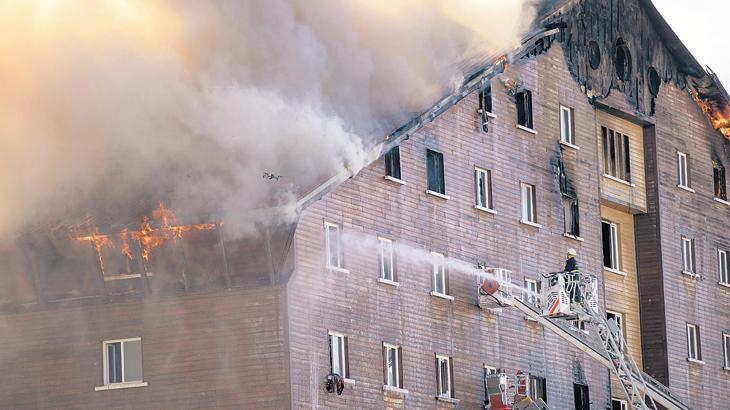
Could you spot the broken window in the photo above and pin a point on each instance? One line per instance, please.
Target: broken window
(122, 360)
(694, 351)
(338, 355)
(387, 259)
(566, 125)
(523, 100)
(483, 188)
(683, 169)
(444, 377)
(392, 162)
(333, 246)
(611, 253)
(688, 255)
(527, 193)
(392, 366)
(538, 388)
(616, 154)
(618, 404)
(435, 171)
(619, 319)
(718, 180)
(581, 397)
(439, 273)
(571, 216)
(485, 105)
(722, 267)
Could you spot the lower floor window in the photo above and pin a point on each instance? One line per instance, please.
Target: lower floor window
(581, 397)
(392, 366)
(444, 376)
(538, 388)
(122, 361)
(617, 404)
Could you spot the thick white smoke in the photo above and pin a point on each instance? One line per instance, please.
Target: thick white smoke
(107, 106)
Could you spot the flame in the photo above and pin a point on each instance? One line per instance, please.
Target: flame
(99, 242)
(719, 116)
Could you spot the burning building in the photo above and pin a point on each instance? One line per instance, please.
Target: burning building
(598, 132)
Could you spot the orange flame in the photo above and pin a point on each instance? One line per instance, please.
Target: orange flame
(719, 117)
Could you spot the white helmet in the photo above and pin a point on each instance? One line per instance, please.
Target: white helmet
(572, 252)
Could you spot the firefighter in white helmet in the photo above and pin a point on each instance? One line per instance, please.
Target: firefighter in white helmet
(571, 268)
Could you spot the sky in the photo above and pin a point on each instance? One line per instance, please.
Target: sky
(702, 27)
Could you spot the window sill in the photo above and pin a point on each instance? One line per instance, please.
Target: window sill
(523, 128)
(351, 382)
(569, 145)
(724, 285)
(441, 295)
(489, 114)
(727, 369)
(336, 269)
(388, 282)
(111, 278)
(619, 180)
(686, 188)
(529, 319)
(691, 360)
(395, 390)
(487, 210)
(394, 179)
(722, 201)
(616, 271)
(448, 400)
(437, 194)
(120, 386)
(575, 238)
(533, 224)
(691, 274)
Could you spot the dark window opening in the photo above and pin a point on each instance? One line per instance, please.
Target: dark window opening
(572, 216)
(485, 106)
(538, 388)
(594, 55)
(616, 154)
(435, 171)
(524, 108)
(718, 180)
(392, 162)
(622, 60)
(609, 232)
(114, 360)
(653, 81)
(580, 394)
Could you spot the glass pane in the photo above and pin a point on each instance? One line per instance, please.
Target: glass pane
(612, 153)
(114, 362)
(444, 375)
(133, 361)
(391, 366)
(727, 350)
(565, 125)
(336, 355)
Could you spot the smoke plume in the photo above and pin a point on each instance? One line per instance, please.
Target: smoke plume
(109, 106)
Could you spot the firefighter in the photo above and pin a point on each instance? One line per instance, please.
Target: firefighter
(571, 268)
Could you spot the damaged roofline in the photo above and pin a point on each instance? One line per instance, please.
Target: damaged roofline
(402, 133)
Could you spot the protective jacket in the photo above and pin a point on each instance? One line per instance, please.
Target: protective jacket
(570, 265)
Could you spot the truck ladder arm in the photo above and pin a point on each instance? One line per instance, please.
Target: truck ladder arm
(658, 392)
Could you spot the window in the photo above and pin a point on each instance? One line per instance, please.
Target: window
(579, 325)
(718, 180)
(338, 355)
(694, 351)
(387, 259)
(122, 360)
(571, 216)
(439, 273)
(392, 162)
(683, 169)
(483, 188)
(532, 291)
(619, 319)
(528, 203)
(618, 404)
(392, 366)
(538, 388)
(581, 397)
(488, 370)
(524, 108)
(688, 255)
(444, 377)
(722, 267)
(726, 348)
(616, 154)
(505, 276)
(485, 98)
(333, 246)
(610, 246)
(435, 170)
(566, 125)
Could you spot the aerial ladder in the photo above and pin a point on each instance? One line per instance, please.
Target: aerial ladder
(554, 307)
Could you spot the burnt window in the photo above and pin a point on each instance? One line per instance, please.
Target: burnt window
(435, 170)
(581, 397)
(594, 55)
(485, 99)
(718, 180)
(653, 81)
(571, 216)
(616, 154)
(523, 100)
(392, 163)
(622, 60)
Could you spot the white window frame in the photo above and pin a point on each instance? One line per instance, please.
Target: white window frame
(386, 252)
(483, 182)
(396, 369)
(438, 264)
(620, 322)
(570, 141)
(527, 203)
(105, 364)
(688, 256)
(328, 247)
(722, 267)
(505, 276)
(726, 348)
(692, 336)
(531, 285)
(683, 170)
(615, 247)
(622, 403)
(489, 370)
(531, 380)
(439, 381)
(336, 337)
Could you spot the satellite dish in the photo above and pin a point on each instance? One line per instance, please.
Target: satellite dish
(335, 383)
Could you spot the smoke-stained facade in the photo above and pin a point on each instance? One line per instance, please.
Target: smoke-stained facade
(248, 321)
